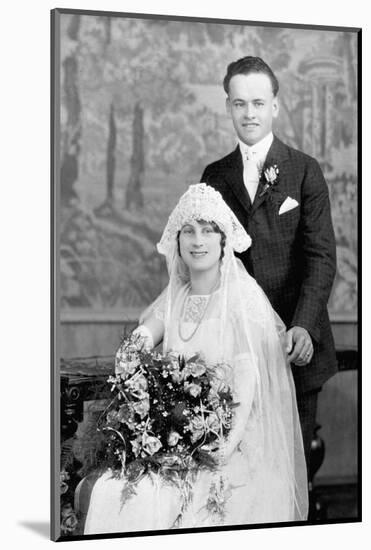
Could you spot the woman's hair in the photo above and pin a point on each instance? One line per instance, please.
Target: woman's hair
(217, 229)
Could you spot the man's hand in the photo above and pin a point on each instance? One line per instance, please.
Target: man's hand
(299, 346)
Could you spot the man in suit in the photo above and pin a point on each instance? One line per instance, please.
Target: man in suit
(281, 198)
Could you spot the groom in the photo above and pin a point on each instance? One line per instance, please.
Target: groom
(281, 198)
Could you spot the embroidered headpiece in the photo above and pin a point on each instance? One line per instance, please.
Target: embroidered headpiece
(203, 202)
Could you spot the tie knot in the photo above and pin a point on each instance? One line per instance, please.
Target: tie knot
(251, 155)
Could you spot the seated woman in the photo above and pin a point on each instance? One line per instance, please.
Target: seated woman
(214, 307)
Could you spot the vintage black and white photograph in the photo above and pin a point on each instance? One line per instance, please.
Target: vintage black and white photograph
(205, 233)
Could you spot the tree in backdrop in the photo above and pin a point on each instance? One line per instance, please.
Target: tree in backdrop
(139, 76)
(71, 114)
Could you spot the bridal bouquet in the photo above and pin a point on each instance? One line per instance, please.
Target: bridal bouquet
(168, 414)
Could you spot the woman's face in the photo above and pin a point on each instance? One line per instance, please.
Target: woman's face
(200, 246)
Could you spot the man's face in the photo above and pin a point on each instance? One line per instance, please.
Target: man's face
(252, 106)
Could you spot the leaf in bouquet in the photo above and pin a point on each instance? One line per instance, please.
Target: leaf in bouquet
(176, 376)
(128, 491)
(186, 372)
(170, 460)
(196, 435)
(136, 446)
(171, 358)
(135, 470)
(207, 459)
(179, 414)
(197, 358)
(219, 386)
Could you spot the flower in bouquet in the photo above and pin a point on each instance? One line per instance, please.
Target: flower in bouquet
(150, 444)
(68, 519)
(213, 422)
(64, 476)
(173, 438)
(168, 414)
(197, 428)
(193, 389)
(197, 369)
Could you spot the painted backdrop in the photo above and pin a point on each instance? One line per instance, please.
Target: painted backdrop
(143, 112)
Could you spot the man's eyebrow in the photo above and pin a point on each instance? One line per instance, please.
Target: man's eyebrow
(239, 99)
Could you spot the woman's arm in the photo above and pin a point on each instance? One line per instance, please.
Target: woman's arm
(149, 334)
(155, 327)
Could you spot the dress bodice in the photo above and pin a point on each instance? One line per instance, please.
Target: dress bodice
(195, 327)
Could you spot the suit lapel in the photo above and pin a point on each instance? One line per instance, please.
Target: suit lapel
(277, 154)
(234, 177)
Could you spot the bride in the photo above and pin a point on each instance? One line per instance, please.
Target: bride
(213, 306)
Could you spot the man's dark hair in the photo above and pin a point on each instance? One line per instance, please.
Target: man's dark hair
(247, 65)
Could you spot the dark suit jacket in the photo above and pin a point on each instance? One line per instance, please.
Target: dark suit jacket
(293, 255)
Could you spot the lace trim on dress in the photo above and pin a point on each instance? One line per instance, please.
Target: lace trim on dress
(159, 313)
(195, 308)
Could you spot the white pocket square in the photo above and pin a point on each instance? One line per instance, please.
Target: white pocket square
(288, 204)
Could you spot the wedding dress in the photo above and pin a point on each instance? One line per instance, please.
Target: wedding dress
(262, 478)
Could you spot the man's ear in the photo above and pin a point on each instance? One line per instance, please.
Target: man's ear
(228, 106)
(275, 107)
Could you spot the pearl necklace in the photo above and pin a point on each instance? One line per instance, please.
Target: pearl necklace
(188, 338)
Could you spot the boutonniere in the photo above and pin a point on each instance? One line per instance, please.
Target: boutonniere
(271, 178)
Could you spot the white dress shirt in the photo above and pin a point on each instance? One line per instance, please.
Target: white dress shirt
(253, 160)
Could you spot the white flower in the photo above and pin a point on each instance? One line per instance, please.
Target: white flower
(173, 438)
(197, 369)
(151, 444)
(271, 174)
(142, 407)
(213, 422)
(192, 388)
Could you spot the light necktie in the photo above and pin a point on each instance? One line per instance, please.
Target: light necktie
(250, 174)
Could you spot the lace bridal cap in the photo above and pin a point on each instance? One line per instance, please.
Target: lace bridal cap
(202, 202)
